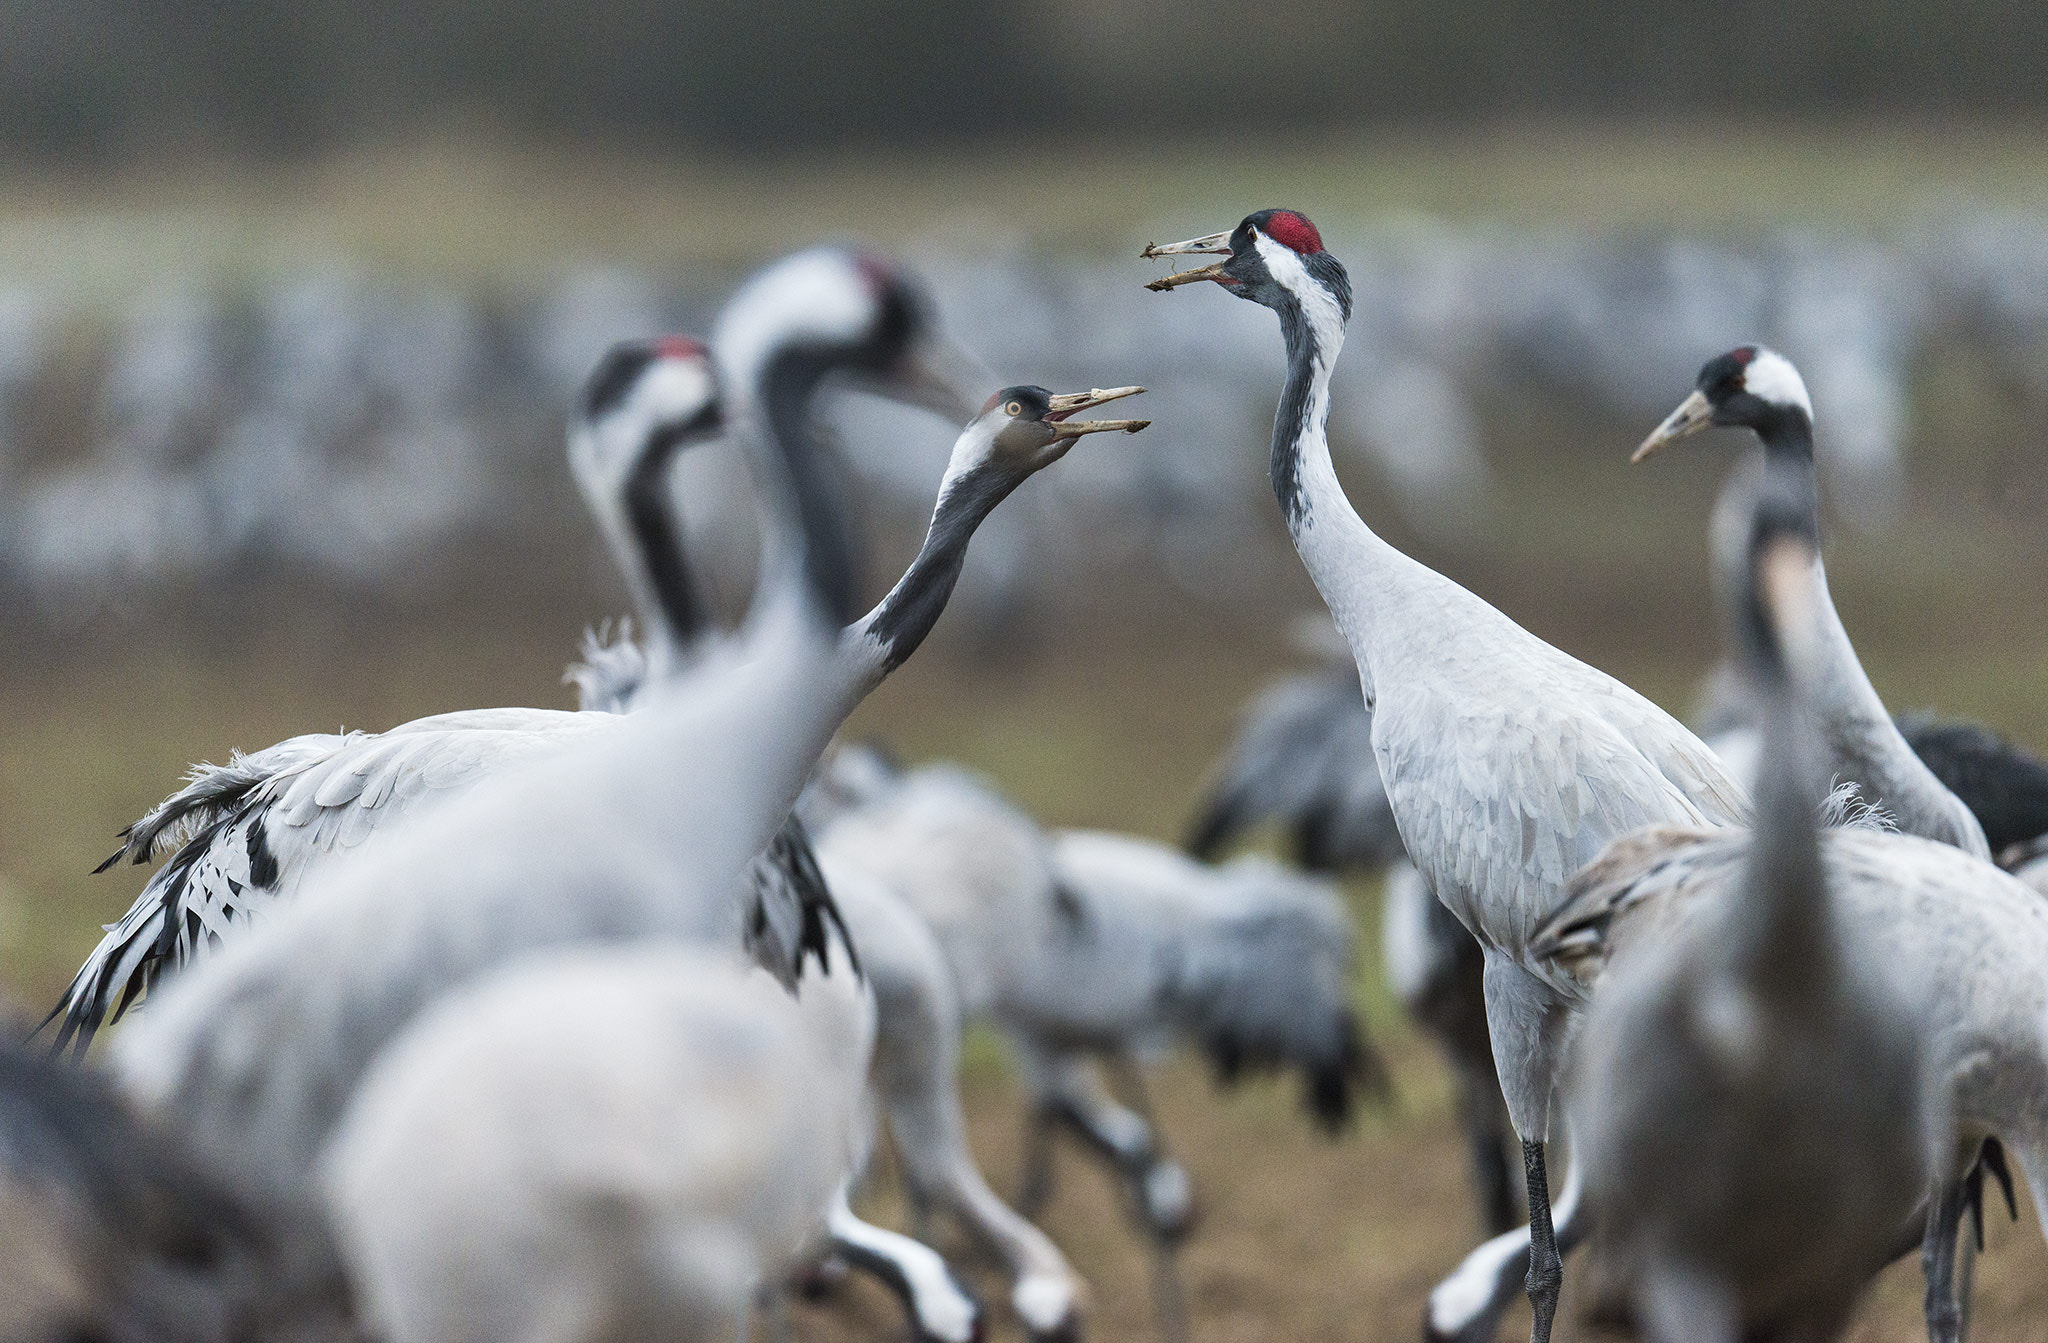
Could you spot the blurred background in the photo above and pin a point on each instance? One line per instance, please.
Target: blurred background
(292, 298)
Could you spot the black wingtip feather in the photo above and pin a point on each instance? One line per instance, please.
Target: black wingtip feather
(820, 910)
(1328, 1083)
(2003, 785)
(1214, 827)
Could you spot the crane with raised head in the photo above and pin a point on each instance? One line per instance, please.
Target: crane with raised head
(633, 833)
(1019, 431)
(1508, 763)
(1758, 389)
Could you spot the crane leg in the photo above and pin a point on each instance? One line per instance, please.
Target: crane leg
(1467, 1306)
(1546, 1265)
(1034, 1190)
(1938, 1259)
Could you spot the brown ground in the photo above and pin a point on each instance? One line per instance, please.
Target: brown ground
(1096, 721)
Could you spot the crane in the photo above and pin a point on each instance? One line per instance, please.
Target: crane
(627, 834)
(1757, 388)
(1079, 945)
(1508, 763)
(600, 1143)
(1746, 1094)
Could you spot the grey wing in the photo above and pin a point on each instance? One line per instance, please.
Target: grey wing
(1501, 803)
(1303, 757)
(1638, 881)
(372, 782)
(249, 832)
(194, 899)
(212, 792)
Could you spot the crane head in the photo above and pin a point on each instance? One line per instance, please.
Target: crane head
(645, 400)
(1751, 386)
(1273, 257)
(861, 312)
(1028, 428)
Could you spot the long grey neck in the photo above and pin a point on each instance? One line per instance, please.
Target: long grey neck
(1362, 579)
(899, 623)
(1862, 741)
(1778, 940)
(807, 551)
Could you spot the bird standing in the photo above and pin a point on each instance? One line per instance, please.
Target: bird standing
(1509, 764)
(1746, 1094)
(628, 834)
(1080, 945)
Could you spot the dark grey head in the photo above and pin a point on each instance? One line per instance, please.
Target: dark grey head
(1751, 387)
(645, 399)
(1021, 429)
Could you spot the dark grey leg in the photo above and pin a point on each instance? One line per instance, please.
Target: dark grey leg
(1546, 1265)
(1938, 1259)
(1034, 1191)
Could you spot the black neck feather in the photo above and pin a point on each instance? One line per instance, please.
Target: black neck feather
(1291, 420)
(789, 383)
(650, 516)
(913, 606)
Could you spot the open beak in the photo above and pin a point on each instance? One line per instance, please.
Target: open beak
(1212, 244)
(939, 376)
(1693, 414)
(1070, 402)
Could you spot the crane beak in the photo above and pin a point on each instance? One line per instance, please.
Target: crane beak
(1693, 414)
(1211, 244)
(1070, 402)
(937, 375)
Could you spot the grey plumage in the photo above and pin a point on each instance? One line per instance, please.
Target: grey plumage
(1508, 764)
(596, 1145)
(1747, 1094)
(915, 1077)
(109, 1230)
(1758, 389)
(1077, 944)
(605, 840)
(1303, 756)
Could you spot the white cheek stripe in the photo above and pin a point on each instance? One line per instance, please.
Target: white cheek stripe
(1325, 318)
(816, 293)
(1770, 377)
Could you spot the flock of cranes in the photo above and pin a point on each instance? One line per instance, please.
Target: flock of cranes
(524, 1024)
(367, 434)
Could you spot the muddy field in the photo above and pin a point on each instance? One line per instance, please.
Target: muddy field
(1102, 711)
(1300, 1237)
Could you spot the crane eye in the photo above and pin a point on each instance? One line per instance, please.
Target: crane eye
(1014, 409)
